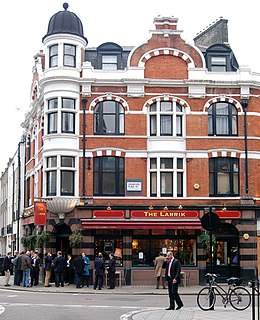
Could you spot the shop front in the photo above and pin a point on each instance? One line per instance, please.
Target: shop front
(137, 236)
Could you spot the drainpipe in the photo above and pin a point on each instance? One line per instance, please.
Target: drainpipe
(244, 104)
(84, 102)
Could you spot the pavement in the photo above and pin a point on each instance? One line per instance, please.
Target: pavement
(186, 313)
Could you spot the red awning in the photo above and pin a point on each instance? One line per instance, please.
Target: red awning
(140, 225)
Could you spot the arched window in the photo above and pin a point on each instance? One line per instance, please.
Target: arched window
(222, 119)
(109, 118)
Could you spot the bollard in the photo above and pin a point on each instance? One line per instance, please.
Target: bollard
(253, 299)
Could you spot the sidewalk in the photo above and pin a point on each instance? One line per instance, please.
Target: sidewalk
(186, 313)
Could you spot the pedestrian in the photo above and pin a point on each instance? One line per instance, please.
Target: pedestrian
(70, 270)
(112, 271)
(85, 278)
(159, 271)
(99, 268)
(173, 275)
(35, 262)
(58, 264)
(15, 266)
(7, 268)
(26, 268)
(18, 272)
(78, 264)
(48, 269)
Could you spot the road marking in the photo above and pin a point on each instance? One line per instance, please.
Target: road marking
(2, 309)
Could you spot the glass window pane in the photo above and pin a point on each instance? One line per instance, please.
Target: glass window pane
(153, 107)
(166, 125)
(109, 67)
(67, 182)
(218, 68)
(108, 183)
(153, 126)
(234, 124)
(53, 104)
(69, 61)
(69, 49)
(210, 124)
(153, 179)
(121, 123)
(178, 108)
(153, 163)
(222, 108)
(51, 183)
(109, 123)
(68, 103)
(109, 107)
(236, 183)
(179, 184)
(211, 183)
(51, 162)
(109, 59)
(53, 50)
(67, 161)
(52, 122)
(54, 61)
(166, 106)
(222, 125)
(68, 121)
(179, 125)
(109, 164)
(179, 163)
(218, 60)
(223, 183)
(166, 163)
(166, 184)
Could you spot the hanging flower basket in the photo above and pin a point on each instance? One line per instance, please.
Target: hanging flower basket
(75, 238)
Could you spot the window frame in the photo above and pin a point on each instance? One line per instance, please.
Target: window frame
(53, 56)
(55, 166)
(175, 172)
(69, 55)
(118, 118)
(214, 176)
(100, 173)
(214, 116)
(175, 114)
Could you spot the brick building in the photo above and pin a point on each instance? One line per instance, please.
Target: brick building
(130, 146)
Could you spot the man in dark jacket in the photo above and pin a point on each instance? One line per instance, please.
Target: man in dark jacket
(112, 271)
(78, 264)
(47, 269)
(58, 264)
(7, 268)
(99, 268)
(173, 276)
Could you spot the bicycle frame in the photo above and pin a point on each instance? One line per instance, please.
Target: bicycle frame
(221, 291)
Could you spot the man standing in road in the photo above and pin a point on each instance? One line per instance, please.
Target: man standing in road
(173, 276)
(7, 268)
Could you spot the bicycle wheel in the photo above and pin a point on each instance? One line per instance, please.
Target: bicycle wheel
(206, 298)
(240, 298)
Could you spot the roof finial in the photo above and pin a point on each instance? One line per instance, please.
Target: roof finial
(65, 5)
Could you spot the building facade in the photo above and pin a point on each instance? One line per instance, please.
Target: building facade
(130, 146)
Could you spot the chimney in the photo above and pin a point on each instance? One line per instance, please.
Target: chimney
(165, 23)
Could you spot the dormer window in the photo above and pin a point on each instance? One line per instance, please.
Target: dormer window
(109, 62)
(220, 58)
(109, 56)
(69, 57)
(218, 64)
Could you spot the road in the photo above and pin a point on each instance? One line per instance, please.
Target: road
(55, 306)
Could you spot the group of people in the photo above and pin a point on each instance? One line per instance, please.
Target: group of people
(99, 269)
(26, 268)
(169, 269)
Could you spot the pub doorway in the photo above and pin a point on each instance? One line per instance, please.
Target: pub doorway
(226, 254)
(61, 232)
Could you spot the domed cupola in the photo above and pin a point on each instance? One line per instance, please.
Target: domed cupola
(65, 22)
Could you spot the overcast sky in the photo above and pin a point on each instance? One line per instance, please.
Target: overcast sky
(24, 23)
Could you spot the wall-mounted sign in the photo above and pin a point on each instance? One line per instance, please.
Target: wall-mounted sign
(40, 212)
(134, 185)
(166, 214)
(228, 214)
(108, 214)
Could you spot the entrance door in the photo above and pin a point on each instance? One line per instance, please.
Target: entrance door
(226, 253)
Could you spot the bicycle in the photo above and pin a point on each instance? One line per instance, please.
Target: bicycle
(238, 296)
